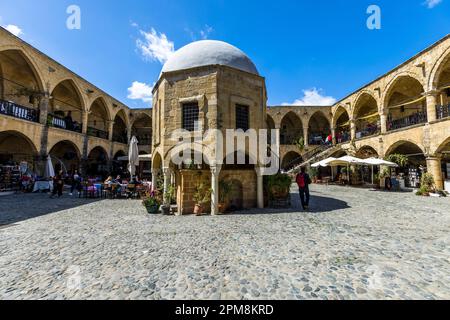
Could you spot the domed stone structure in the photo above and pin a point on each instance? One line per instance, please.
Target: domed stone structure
(209, 52)
(208, 85)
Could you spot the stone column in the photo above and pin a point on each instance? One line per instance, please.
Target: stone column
(353, 129)
(432, 102)
(383, 120)
(110, 130)
(166, 172)
(43, 110)
(215, 173)
(129, 134)
(260, 188)
(85, 121)
(333, 134)
(434, 167)
(306, 135)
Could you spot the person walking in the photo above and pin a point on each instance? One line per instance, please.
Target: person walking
(76, 182)
(303, 181)
(58, 185)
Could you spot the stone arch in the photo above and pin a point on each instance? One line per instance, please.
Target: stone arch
(341, 124)
(121, 127)
(395, 146)
(21, 80)
(270, 122)
(366, 115)
(440, 83)
(142, 128)
(291, 128)
(319, 127)
(17, 147)
(443, 146)
(404, 102)
(98, 119)
(366, 152)
(66, 156)
(437, 69)
(98, 161)
(66, 98)
(31, 62)
(291, 159)
(157, 161)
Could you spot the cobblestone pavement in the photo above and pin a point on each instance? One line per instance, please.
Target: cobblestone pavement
(354, 244)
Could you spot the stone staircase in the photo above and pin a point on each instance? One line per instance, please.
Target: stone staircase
(315, 155)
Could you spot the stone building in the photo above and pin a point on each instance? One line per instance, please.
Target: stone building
(36, 96)
(218, 86)
(404, 111)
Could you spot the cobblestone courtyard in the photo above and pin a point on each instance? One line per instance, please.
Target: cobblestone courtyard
(354, 244)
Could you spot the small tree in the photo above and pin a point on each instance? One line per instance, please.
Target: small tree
(300, 143)
(399, 159)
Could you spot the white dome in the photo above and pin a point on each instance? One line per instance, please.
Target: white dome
(209, 52)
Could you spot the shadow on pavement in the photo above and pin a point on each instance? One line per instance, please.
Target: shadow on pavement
(20, 207)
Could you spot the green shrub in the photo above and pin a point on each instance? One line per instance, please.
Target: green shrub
(279, 185)
(399, 159)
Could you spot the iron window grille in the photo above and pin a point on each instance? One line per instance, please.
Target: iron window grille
(242, 117)
(190, 117)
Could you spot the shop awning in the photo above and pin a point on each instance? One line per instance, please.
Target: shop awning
(380, 162)
(323, 163)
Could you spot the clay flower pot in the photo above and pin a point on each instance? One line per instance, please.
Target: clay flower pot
(198, 210)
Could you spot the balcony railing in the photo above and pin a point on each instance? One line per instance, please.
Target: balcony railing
(14, 110)
(368, 131)
(417, 118)
(343, 138)
(62, 123)
(93, 132)
(120, 138)
(443, 111)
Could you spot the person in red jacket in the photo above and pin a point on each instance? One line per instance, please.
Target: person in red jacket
(303, 181)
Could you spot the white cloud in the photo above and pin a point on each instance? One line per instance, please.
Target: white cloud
(432, 3)
(140, 91)
(155, 46)
(204, 34)
(15, 30)
(313, 97)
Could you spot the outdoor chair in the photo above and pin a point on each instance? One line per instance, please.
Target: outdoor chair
(131, 191)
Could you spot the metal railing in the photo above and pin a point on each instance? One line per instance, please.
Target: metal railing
(443, 111)
(93, 132)
(17, 111)
(61, 123)
(417, 118)
(368, 131)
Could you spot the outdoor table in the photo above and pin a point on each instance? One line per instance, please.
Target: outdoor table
(42, 186)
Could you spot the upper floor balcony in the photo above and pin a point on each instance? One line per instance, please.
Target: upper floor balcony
(17, 111)
(411, 120)
(65, 123)
(442, 112)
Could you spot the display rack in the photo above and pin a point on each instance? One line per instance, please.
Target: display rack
(9, 178)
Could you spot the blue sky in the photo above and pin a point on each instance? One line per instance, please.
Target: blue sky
(322, 48)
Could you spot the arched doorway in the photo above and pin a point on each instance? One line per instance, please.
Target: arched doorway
(342, 125)
(120, 133)
(66, 157)
(291, 129)
(367, 118)
(416, 165)
(21, 88)
(236, 195)
(406, 104)
(17, 156)
(98, 163)
(290, 160)
(98, 120)
(66, 107)
(319, 129)
(142, 130)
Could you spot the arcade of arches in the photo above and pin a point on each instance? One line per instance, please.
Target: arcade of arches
(47, 110)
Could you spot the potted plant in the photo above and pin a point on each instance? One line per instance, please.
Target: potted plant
(279, 186)
(202, 195)
(426, 185)
(168, 199)
(386, 172)
(225, 189)
(314, 174)
(151, 203)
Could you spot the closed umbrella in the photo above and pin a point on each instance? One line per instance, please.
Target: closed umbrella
(133, 156)
(49, 170)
